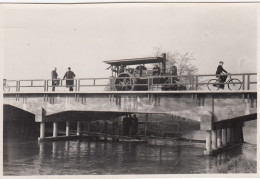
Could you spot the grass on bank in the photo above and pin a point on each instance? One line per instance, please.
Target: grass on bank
(237, 165)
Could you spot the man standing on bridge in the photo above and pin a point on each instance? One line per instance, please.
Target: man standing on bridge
(69, 75)
(54, 76)
(222, 76)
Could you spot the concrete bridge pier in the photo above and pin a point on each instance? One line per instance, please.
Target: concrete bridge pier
(228, 135)
(67, 128)
(42, 130)
(55, 129)
(206, 124)
(220, 136)
(214, 139)
(78, 128)
(224, 137)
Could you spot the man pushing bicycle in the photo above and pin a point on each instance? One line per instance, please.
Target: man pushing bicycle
(222, 76)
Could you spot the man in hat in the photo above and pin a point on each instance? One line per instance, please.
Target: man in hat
(69, 75)
(54, 76)
(223, 76)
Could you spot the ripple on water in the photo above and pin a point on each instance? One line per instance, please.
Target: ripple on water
(84, 157)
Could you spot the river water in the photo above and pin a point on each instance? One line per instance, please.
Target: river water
(83, 157)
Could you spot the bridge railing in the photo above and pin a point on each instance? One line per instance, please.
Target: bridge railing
(191, 82)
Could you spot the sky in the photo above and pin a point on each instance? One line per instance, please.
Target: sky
(37, 38)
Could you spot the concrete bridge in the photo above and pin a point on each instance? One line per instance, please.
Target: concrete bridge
(220, 113)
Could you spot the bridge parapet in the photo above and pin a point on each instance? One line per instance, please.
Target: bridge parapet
(247, 81)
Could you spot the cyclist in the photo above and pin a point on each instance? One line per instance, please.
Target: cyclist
(223, 76)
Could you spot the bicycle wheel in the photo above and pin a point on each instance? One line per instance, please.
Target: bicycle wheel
(234, 84)
(6, 88)
(211, 83)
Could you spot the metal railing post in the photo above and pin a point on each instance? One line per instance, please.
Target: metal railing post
(151, 86)
(94, 81)
(19, 85)
(16, 86)
(192, 82)
(197, 81)
(148, 83)
(243, 81)
(248, 82)
(78, 85)
(110, 84)
(47, 85)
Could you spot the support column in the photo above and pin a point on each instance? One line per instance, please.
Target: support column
(208, 143)
(224, 137)
(235, 135)
(55, 129)
(219, 138)
(241, 135)
(105, 127)
(42, 130)
(228, 135)
(231, 135)
(78, 128)
(214, 139)
(67, 128)
(145, 127)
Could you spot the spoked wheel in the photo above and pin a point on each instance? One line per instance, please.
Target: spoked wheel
(234, 84)
(213, 85)
(167, 86)
(124, 82)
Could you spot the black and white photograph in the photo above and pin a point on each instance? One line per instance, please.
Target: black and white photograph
(130, 89)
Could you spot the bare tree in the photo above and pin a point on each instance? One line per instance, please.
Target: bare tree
(184, 64)
(182, 61)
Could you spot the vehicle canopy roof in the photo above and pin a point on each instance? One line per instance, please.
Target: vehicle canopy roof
(135, 61)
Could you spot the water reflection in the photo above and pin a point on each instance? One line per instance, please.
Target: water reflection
(84, 157)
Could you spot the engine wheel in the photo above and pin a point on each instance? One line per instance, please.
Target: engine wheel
(124, 82)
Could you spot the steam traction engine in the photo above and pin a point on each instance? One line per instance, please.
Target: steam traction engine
(133, 75)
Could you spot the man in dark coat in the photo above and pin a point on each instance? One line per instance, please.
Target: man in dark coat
(125, 123)
(173, 71)
(54, 76)
(69, 75)
(223, 76)
(134, 125)
(156, 70)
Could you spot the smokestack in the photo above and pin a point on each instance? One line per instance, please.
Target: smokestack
(164, 62)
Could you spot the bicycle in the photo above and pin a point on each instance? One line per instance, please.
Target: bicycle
(6, 87)
(232, 83)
